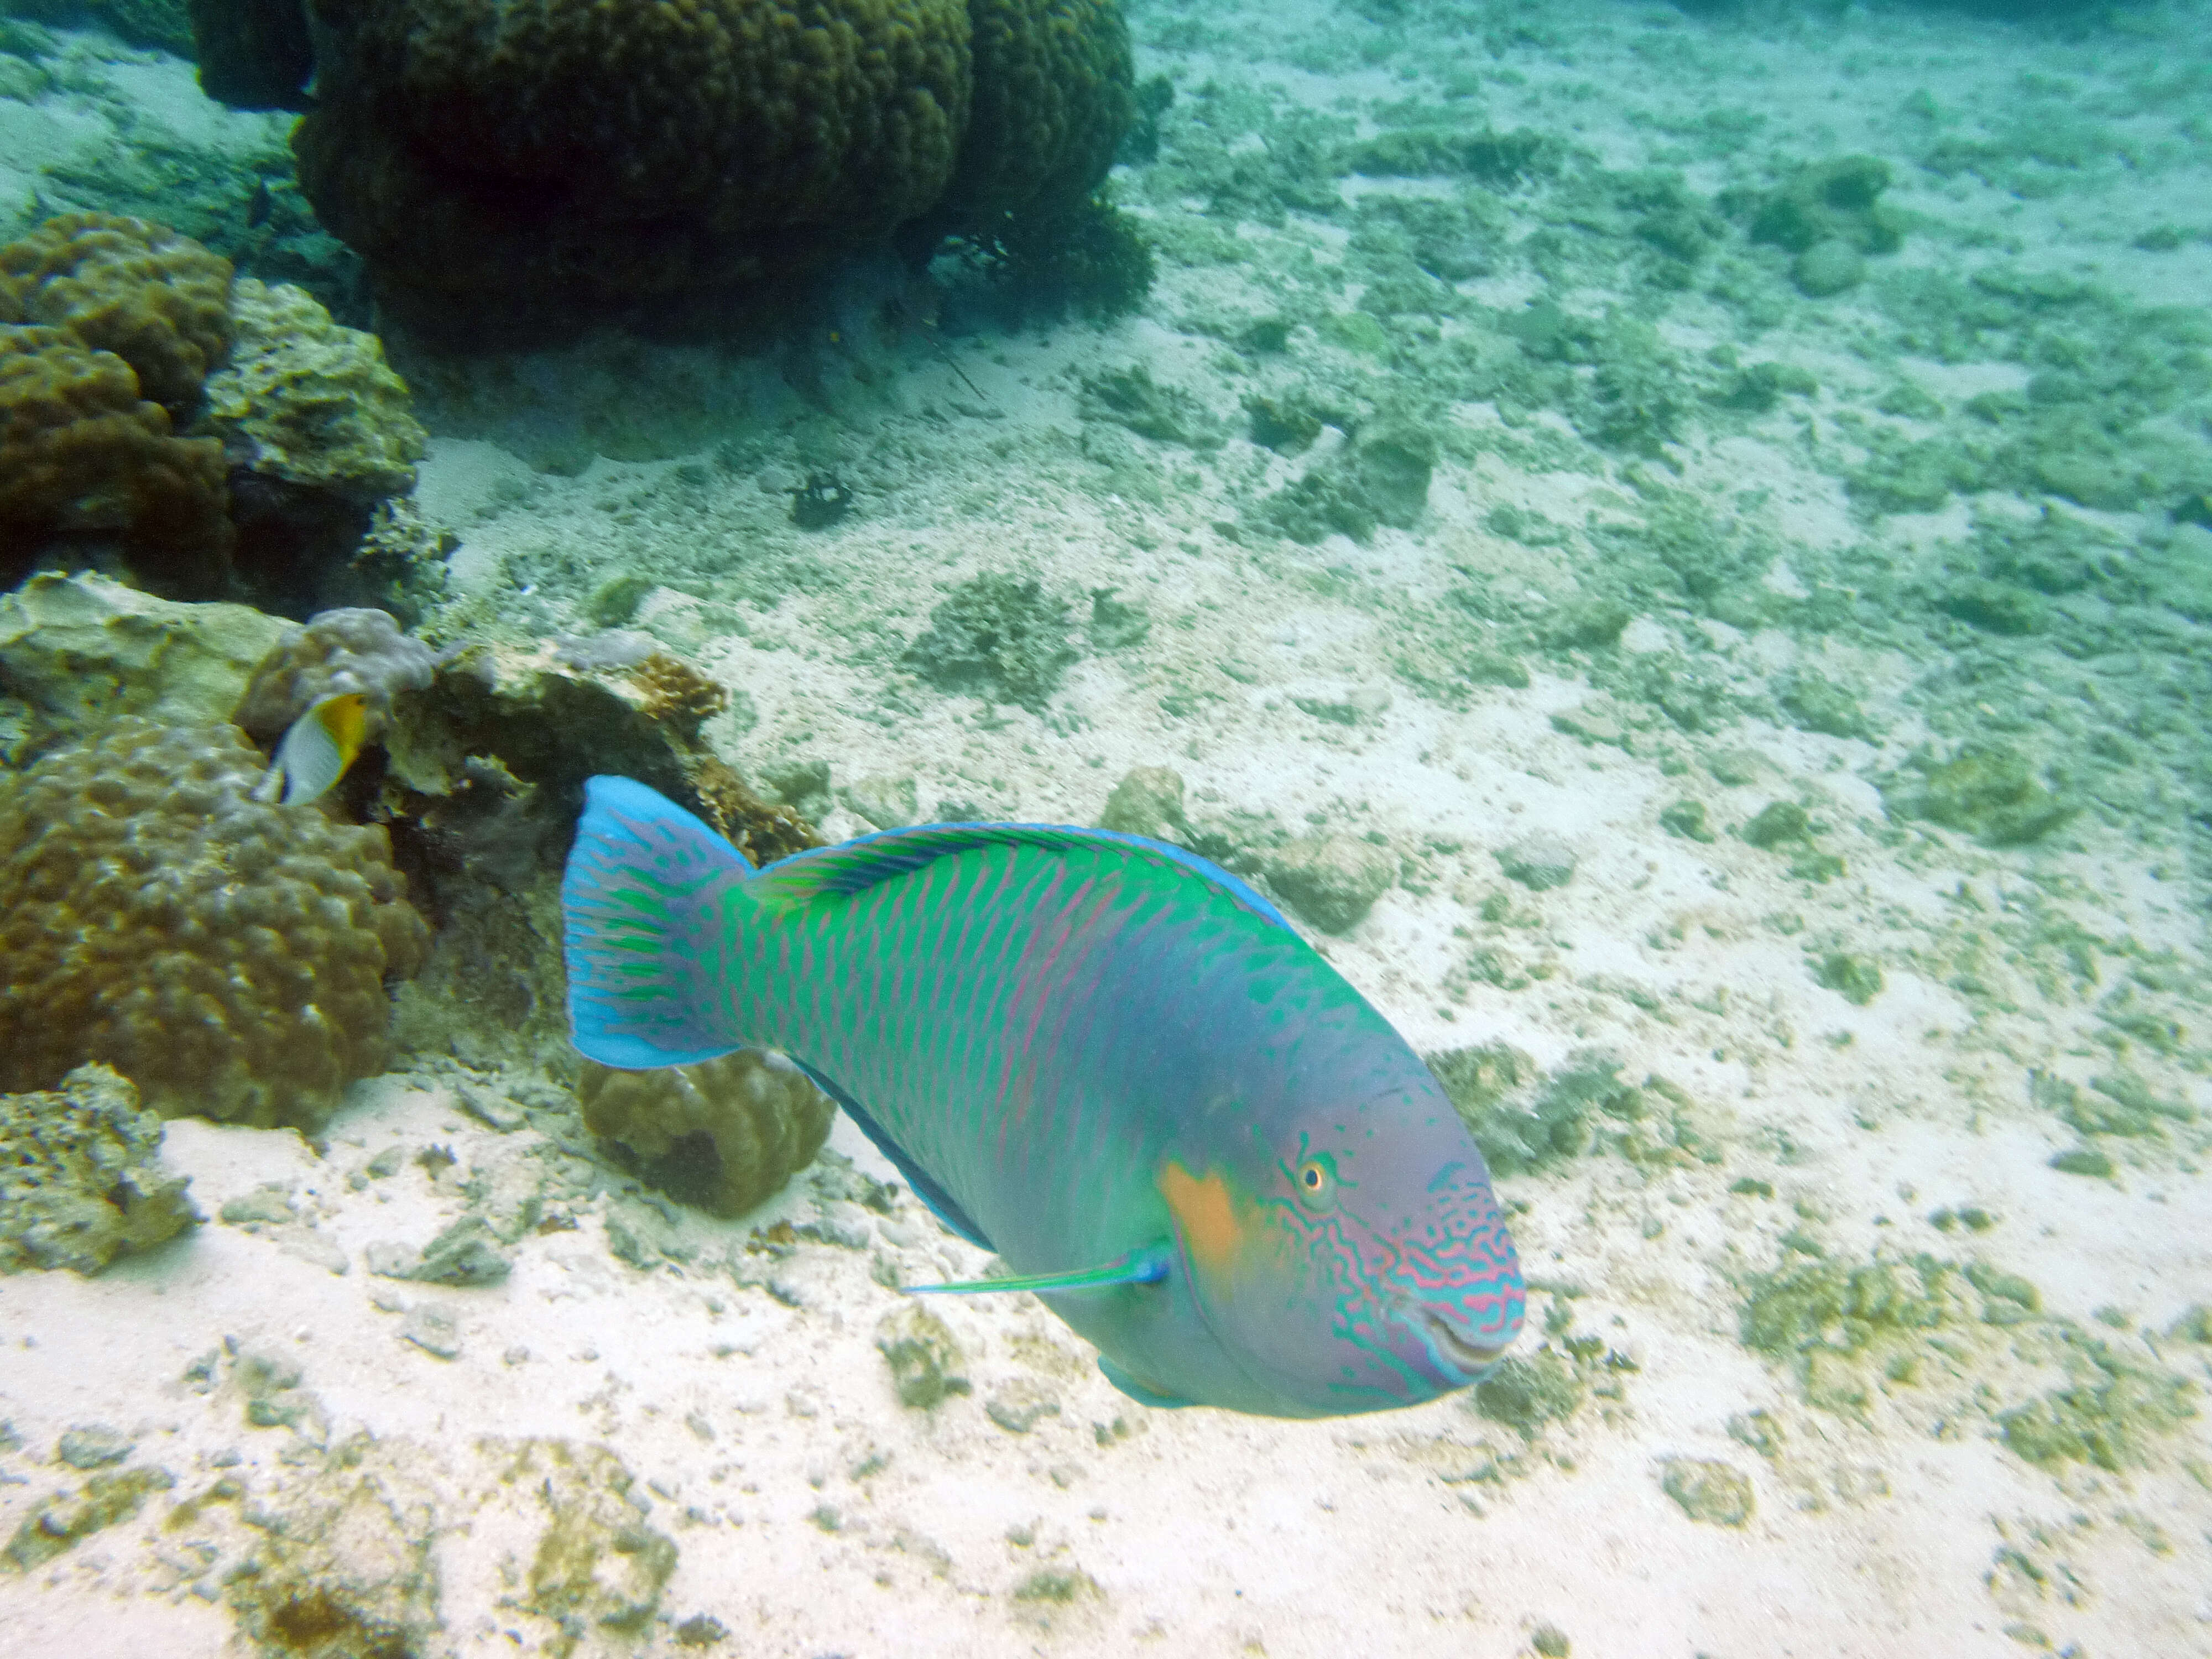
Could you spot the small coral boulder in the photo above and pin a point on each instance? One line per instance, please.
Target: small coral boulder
(724, 1134)
(83, 458)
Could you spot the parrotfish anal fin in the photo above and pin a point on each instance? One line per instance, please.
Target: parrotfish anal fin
(919, 1179)
(1145, 1267)
(640, 916)
(853, 866)
(1138, 1391)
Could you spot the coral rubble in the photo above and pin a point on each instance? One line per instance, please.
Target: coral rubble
(80, 1178)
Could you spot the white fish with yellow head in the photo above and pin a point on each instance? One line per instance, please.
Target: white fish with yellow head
(315, 752)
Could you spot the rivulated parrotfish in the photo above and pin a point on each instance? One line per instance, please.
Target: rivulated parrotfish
(1101, 1057)
(316, 749)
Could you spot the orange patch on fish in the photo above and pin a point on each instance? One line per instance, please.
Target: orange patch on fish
(1206, 1215)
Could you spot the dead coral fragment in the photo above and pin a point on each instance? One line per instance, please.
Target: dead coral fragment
(80, 1182)
(596, 1563)
(68, 1517)
(1987, 790)
(1707, 1490)
(999, 637)
(723, 1135)
(679, 694)
(311, 402)
(925, 1362)
(82, 649)
(2106, 1416)
(228, 957)
(346, 1571)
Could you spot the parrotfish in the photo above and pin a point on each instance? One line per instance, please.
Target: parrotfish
(316, 749)
(1104, 1059)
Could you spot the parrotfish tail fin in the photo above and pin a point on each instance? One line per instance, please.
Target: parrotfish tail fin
(648, 902)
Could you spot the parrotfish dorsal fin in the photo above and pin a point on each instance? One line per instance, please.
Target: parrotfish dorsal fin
(853, 866)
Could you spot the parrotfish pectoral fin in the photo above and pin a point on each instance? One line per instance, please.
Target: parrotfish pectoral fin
(924, 1184)
(853, 866)
(1145, 1267)
(642, 904)
(1138, 1391)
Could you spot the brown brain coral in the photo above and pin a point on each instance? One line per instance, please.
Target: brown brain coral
(1054, 95)
(157, 300)
(581, 152)
(723, 1135)
(82, 454)
(228, 957)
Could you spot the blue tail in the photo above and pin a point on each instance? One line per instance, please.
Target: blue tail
(648, 904)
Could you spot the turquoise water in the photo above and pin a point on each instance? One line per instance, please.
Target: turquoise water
(1675, 543)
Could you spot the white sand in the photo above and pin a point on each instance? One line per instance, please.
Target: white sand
(743, 1390)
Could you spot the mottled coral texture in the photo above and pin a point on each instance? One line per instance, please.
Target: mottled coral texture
(81, 1180)
(158, 300)
(108, 328)
(356, 649)
(723, 1135)
(82, 454)
(228, 957)
(588, 156)
(592, 155)
(311, 402)
(1054, 95)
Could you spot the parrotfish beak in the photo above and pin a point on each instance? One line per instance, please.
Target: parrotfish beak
(1460, 1350)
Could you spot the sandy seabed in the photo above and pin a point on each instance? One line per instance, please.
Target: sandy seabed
(662, 1433)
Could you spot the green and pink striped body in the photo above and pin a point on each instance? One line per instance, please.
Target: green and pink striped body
(1084, 1050)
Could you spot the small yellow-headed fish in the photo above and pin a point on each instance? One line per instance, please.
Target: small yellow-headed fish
(317, 750)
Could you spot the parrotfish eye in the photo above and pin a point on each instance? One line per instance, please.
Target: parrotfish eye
(1316, 1182)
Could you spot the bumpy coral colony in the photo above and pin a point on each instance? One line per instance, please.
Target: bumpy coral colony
(511, 164)
(226, 956)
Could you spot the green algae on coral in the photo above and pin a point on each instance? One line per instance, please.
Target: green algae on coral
(1989, 791)
(926, 1362)
(1778, 822)
(1707, 1490)
(1857, 979)
(2109, 1409)
(81, 1176)
(1837, 1325)
(2084, 1161)
(1527, 1120)
(70, 1517)
(997, 636)
(1525, 1394)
